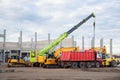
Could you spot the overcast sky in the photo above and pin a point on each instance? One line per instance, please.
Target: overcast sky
(58, 16)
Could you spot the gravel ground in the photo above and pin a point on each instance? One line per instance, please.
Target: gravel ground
(34, 73)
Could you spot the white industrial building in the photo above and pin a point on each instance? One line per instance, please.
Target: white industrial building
(23, 49)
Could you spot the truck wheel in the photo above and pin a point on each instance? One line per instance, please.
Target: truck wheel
(64, 64)
(113, 63)
(89, 64)
(74, 65)
(82, 65)
(97, 64)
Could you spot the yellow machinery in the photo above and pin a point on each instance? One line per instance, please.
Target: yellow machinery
(64, 49)
(15, 60)
(37, 58)
(107, 59)
(52, 60)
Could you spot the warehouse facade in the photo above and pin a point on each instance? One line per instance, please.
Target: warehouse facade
(14, 48)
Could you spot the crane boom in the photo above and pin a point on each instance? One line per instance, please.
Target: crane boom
(64, 35)
(80, 23)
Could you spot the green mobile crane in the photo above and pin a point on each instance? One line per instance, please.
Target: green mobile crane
(40, 58)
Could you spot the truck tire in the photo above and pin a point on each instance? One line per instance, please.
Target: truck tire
(97, 64)
(89, 64)
(74, 65)
(113, 63)
(82, 65)
(63, 65)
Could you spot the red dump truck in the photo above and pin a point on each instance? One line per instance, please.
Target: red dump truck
(87, 58)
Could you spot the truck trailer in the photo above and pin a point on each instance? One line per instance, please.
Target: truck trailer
(81, 59)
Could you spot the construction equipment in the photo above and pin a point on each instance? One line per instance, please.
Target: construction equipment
(82, 59)
(110, 60)
(15, 60)
(52, 60)
(107, 59)
(40, 58)
(58, 52)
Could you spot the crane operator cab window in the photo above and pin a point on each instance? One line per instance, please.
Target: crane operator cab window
(49, 55)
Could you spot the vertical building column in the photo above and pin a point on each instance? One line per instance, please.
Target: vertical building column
(92, 42)
(48, 38)
(10, 54)
(82, 42)
(4, 46)
(101, 42)
(31, 43)
(111, 47)
(61, 44)
(94, 34)
(35, 40)
(73, 45)
(20, 44)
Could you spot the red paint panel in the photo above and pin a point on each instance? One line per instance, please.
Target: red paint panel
(82, 56)
(65, 56)
(87, 55)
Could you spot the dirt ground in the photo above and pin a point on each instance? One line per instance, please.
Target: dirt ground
(35, 73)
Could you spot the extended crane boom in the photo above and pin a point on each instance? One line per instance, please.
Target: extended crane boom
(64, 35)
(80, 23)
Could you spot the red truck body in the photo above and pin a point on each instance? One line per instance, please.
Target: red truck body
(85, 56)
(88, 55)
